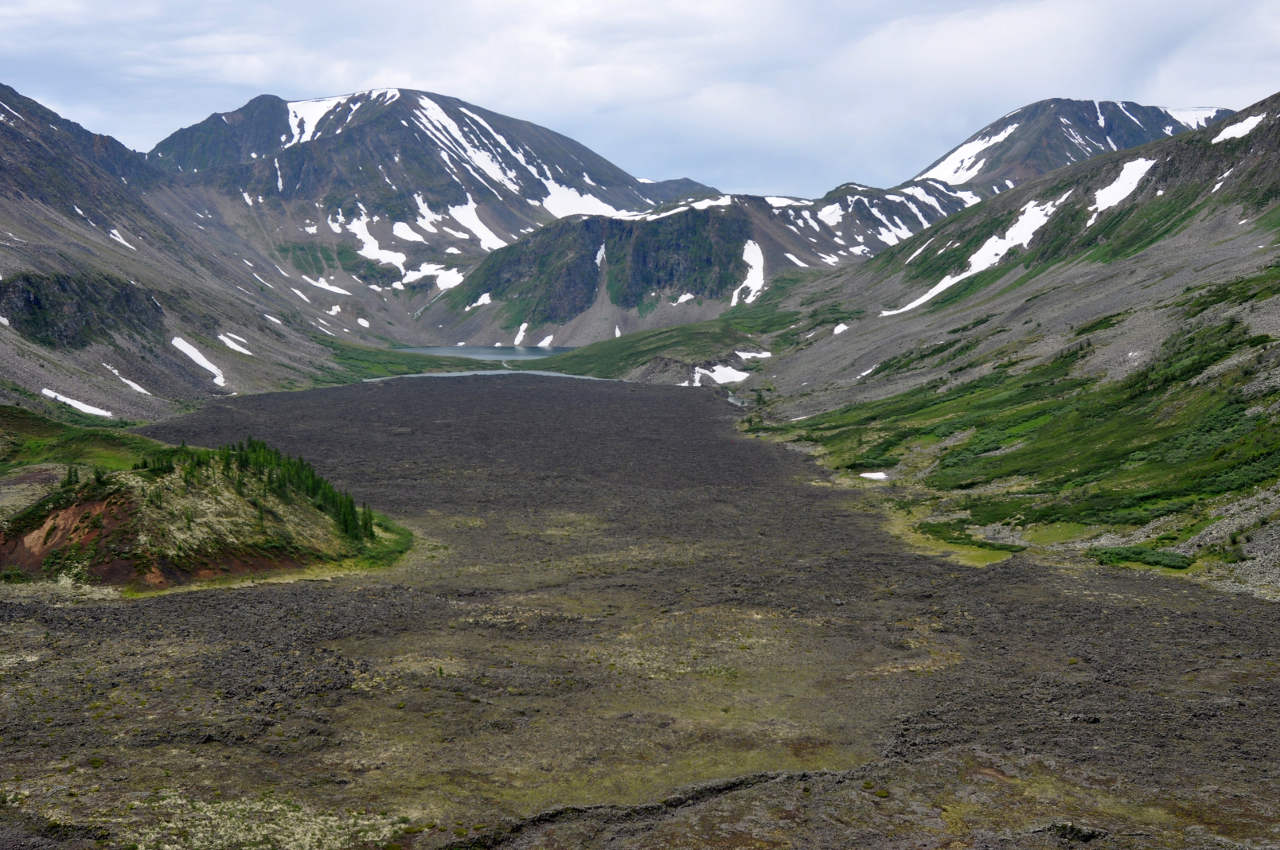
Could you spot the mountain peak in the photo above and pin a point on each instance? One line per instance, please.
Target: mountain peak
(1050, 134)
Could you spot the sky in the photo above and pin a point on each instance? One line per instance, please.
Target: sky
(786, 97)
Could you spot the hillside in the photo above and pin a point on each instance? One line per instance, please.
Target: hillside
(1051, 134)
(244, 253)
(666, 254)
(1085, 362)
(101, 507)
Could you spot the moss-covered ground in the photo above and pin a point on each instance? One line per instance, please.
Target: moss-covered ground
(1046, 454)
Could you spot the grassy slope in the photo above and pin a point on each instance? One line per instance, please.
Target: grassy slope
(1045, 448)
(189, 504)
(353, 363)
(765, 323)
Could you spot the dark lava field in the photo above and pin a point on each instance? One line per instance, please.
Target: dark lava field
(625, 625)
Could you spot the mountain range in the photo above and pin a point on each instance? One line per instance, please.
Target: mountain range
(241, 253)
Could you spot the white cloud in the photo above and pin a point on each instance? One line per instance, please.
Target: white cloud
(768, 96)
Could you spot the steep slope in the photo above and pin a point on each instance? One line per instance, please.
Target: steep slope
(588, 279)
(123, 296)
(1086, 362)
(666, 255)
(131, 283)
(414, 177)
(1122, 232)
(1050, 134)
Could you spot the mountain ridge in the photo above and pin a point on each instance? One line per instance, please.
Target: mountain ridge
(253, 275)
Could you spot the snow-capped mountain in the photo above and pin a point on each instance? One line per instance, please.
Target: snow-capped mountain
(1128, 244)
(1050, 134)
(849, 223)
(233, 256)
(434, 170)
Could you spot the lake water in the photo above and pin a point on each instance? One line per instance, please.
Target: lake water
(493, 352)
(483, 372)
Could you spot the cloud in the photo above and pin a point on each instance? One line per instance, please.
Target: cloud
(757, 95)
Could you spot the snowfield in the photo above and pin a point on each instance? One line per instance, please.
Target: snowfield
(1122, 187)
(1034, 216)
(963, 164)
(130, 384)
(754, 282)
(78, 405)
(1240, 129)
(199, 359)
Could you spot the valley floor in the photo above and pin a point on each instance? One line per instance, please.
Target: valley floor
(625, 625)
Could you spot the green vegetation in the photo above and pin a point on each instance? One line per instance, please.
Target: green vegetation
(308, 258)
(954, 531)
(353, 363)
(1243, 290)
(127, 499)
(613, 358)
(552, 276)
(27, 438)
(1131, 229)
(1140, 555)
(75, 309)
(1100, 324)
(1050, 446)
(737, 328)
(254, 462)
(743, 326)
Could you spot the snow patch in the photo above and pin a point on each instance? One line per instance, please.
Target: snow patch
(271, 318)
(1195, 116)
(403, 231)
(721, 374)
(1034, 215)
(917, 251)
(839, 329)
(963, 164)
(305, 116)
(1130, 176)
(480, 302)
(115, 234)
(831, 214)
(229, 342)
(793, 258)
(754, 355)
(546, 341)
(1240, 129)
(707, 203)
(130, 384)
(426, 218)
(777, 202)
(524, 326)
(446, 278)
(874, 476)
(754, 282)
(78, 405)
(466, 215)
(600, 256)
(323, 284)
(688, 296)
(924, 197)
(369, 247)
(199, 359)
